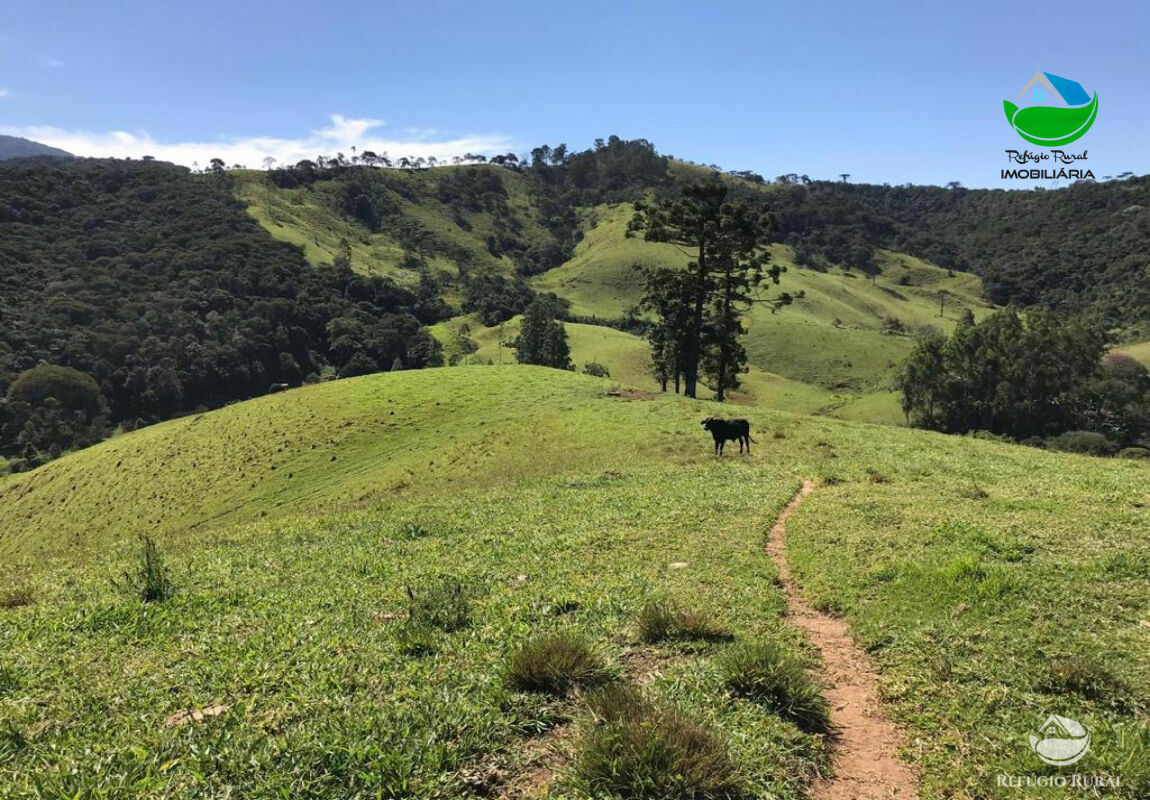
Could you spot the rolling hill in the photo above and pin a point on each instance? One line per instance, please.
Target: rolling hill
(295, 523)
(17, 147)
(835, 349)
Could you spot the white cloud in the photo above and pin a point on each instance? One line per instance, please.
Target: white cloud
(3, 92)
(54, 63)
(338, 136)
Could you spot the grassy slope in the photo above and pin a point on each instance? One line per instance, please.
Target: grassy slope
(627, 357)
(831, 336)
(969, 602)
(306, 216)
(826, 352)
(1140, 351)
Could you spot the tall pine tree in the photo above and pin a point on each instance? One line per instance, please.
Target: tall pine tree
(728, 239)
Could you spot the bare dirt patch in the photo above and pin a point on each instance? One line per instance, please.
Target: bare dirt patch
(866, 742)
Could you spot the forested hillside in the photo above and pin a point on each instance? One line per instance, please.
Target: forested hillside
(1079, 247)
(150, 292)
(138, 291)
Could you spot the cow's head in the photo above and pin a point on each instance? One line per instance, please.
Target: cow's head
(709, 423)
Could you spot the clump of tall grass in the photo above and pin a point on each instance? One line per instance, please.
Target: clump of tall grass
(16, 596)
(443, 603)
(763, 672)
(660, 621)
(642, 749)
(555, 664)
(151, 580)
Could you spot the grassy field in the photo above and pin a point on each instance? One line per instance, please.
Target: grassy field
(833, 336)
(627, 358)
(993, 583)
(1139, 350)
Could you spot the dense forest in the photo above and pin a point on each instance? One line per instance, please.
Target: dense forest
(148, 292)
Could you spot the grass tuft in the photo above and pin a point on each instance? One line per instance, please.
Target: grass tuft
(151, 581)
(660, 621)
(763, 672)
(644, 750)
(16, 597)
(443, 603)
(555, 664)
(1085, 677)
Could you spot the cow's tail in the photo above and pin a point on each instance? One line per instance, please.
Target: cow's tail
(753, 439)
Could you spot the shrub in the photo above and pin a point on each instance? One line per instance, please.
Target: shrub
(596, 369)
(660, 621)
(151, 581)
(647, 751)
(1084, 442)
(443, 603)
(1134, 452)
(556, 663)
(762, 672)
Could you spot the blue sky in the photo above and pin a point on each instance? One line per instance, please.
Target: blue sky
(891, 92)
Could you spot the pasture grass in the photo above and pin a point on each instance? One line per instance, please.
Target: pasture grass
(993, 584)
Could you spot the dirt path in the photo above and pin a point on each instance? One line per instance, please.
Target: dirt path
(866, 764)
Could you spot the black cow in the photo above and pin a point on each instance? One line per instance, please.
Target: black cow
(278, 387)
(729, 429)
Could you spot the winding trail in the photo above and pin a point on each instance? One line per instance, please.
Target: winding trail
(866, 742)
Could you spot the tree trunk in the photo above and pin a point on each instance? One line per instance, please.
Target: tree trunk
(724, 342)
(692, 365)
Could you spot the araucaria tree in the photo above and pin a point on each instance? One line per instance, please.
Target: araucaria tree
(543, 339)
(701, 317)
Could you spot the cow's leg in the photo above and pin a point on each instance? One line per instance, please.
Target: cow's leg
(747, 436)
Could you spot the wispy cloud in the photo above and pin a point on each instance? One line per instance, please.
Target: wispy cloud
(338, 136)
(3, 92)
(53, 63)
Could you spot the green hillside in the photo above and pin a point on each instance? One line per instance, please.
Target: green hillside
(423, 229)
(1139, 351)
(837, 333)
(835, 349)
(974, 572)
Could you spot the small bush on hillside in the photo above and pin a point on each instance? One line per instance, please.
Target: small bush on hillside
(644, 750)
(1084, 442)
(443, 603)
(661, 621)
(762, 672)
(596, 369)
(151, 581)
(1134, 452)
(555, 664)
